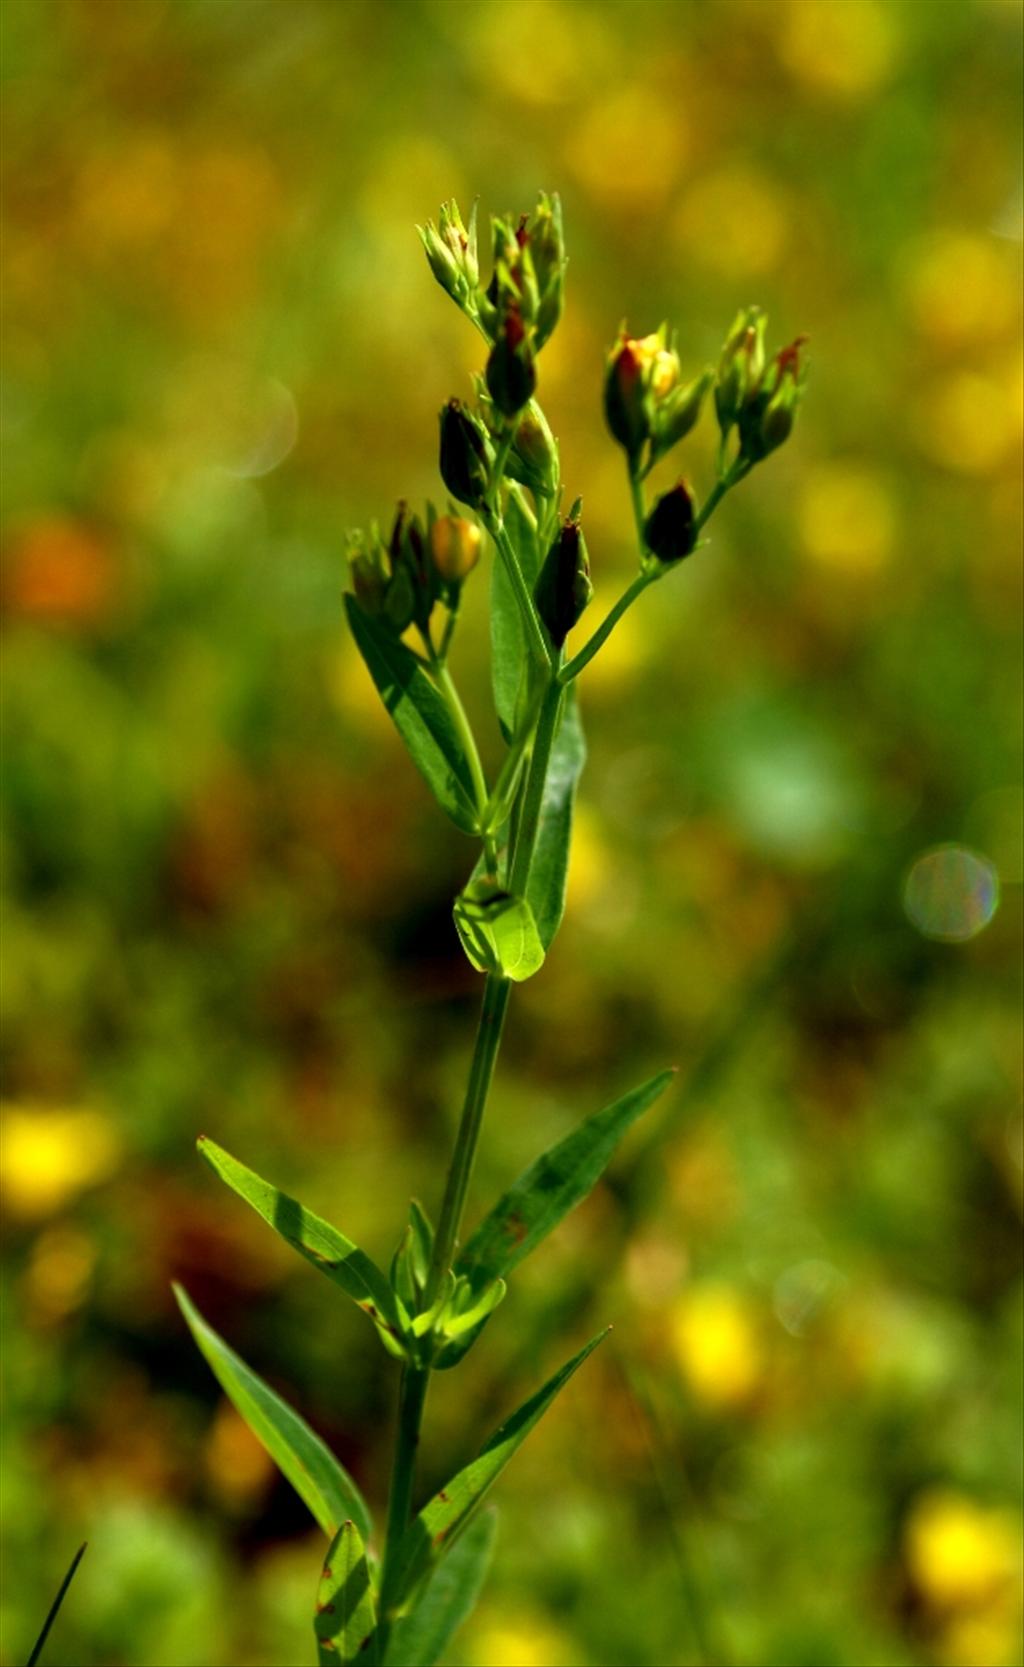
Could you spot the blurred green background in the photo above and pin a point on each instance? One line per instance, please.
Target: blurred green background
(798, 866)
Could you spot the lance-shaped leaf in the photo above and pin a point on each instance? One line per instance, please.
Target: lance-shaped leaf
(420, 714)
(316, 1240)
(545, 891)
(449, 1511)
(301, 1456)
(510, 656)
(346, 1622)
(447, 1599)
(551, 1187)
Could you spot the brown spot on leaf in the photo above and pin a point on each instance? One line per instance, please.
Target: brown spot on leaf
(325, 1609)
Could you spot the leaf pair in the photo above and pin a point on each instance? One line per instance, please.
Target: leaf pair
(437, 1580)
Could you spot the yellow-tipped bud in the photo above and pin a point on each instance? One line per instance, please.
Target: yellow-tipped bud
(454, 547)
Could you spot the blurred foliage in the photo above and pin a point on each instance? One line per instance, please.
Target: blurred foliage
(227, 896)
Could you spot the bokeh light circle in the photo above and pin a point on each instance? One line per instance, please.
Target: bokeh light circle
(951, 893)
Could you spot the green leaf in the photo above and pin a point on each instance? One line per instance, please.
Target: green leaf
(420, 714)
(447, 1599)
(497, 931)
(549, 870)
(510, 655)
(449, 1511)
(316, 1240)
(551, 1187)
(346, 1620)
(299, 1454)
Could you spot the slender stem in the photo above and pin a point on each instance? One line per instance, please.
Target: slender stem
(458, 712)
(485, 1052)
(412, 1394)
(636, 488)
(645, 577)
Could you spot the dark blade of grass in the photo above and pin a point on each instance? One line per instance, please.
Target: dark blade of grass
(55, 1605)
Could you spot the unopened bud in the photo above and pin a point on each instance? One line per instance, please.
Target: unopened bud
(678, 414)
(563, 587)
(549, 261)
(533, 460)
(624, 403)
(670, 531)
(454, 548)
(740, 367)
(511, 373)
(412, 591)
(451, 251)
(768, 422)
(466, 454)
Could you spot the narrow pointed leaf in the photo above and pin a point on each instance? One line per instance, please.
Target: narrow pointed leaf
(420, 714)
(315, 1239)
(449, 1511)
(54, 1610)
(346, 1620)
(448, 1598)
(510, 656)
(551, 1187)
(298, 1452)
(550, 867)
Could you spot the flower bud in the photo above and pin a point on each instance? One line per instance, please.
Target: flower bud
(511, 373)
(563, 587)
(369, 580)
(413, 589)
(670, 531)
(640, 390)
(549, 260)
(678, 414)
(533, 460)
(624, 402)
(451, 251)
(466, 454)
(454, 548)
(740, 367)
(768, 421)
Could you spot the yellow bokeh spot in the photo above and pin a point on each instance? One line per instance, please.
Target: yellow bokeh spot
(619, 658)
(735, 220)
(237, 1464)
(576, 47)
(970, 422)
(716, 1343)
(591, 866)
(844, 48)
(846, 518)
(529, 1641)
(354, 692)
(961, 288)
(58, 1273)
(626, 150)
(47, 1156)
(961, 1554)
(985, 1639)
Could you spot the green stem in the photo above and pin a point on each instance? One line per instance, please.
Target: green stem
(485, 1052)
(645, 577)
(458, 712)
(636, 488)
(411, 1397)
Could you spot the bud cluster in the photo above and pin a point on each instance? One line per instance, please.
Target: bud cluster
(757, 398)
(647, 407)
(522, 302)
(401, 581)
